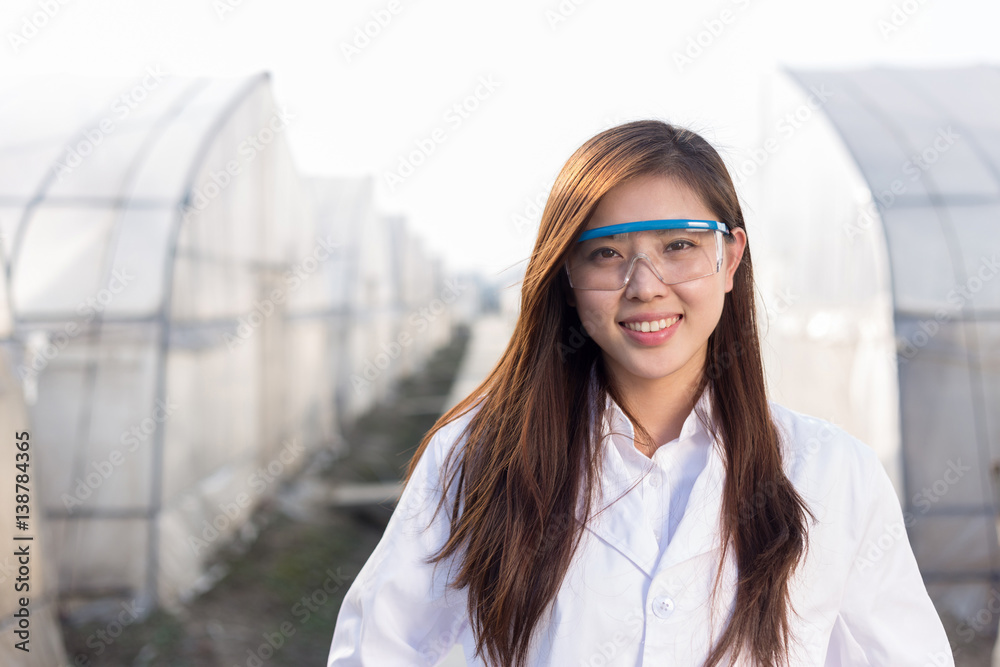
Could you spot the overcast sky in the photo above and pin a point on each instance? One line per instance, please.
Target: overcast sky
(534, 80)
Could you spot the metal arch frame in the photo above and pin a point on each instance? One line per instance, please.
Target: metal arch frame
(939, 206)
(119, 206)
(162, 315)
(201, 154)
(976, 387)
(358, 201)
(90, 374)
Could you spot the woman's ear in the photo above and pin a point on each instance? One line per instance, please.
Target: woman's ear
(567, 290)
(734, 254)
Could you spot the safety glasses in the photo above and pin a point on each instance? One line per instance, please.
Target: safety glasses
(675, 250)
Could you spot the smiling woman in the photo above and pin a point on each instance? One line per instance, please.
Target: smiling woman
(639, 500)
(622, 302)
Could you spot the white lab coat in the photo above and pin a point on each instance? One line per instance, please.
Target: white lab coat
(858, 596)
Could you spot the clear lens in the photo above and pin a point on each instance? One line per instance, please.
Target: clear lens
(674, 255)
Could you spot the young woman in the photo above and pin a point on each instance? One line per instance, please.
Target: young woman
(619, 490)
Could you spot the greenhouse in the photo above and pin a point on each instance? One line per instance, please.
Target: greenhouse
(876, 192)
(187, 314)
(374, 296)
(30, 619)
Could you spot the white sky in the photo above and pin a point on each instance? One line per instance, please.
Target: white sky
(607, 62)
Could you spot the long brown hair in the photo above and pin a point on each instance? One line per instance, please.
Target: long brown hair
(530, 448)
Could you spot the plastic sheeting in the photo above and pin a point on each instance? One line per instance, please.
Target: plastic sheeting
(880, 196)
(41, 645)
(390, 305)
(191, 319)
(147, 262)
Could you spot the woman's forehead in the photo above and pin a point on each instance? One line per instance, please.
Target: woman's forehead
(649, 196)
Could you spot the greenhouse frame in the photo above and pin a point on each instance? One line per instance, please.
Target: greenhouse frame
(184, 314)
(876, 198)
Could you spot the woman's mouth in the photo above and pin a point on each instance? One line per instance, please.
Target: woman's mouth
(653, 325)
(651, 332)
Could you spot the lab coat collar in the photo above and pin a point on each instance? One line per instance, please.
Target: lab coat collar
(621, 523)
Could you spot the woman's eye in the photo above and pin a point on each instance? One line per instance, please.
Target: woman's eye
(679, 245)
(604, 253)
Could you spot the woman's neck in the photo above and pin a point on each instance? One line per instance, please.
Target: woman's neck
(661, 405)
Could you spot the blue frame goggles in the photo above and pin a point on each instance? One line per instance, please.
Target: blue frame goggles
(694, 251)
(646, 225)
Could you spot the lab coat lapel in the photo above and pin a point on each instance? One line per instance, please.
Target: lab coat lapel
(698, 530)
(622, 524)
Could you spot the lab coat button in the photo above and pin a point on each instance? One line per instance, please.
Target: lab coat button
(663, 606)
(654, 480)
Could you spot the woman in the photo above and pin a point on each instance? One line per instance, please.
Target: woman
(619, 490)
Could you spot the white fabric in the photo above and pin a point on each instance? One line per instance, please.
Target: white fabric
(667, 477)
(858, 594)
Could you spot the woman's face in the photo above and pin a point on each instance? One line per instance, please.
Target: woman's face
(678, 351)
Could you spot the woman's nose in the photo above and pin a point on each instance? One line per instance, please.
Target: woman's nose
(643, 282)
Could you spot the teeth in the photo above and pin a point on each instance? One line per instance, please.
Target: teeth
(651, 326)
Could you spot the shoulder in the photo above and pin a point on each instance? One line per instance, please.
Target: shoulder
(820, 457)
(429, 478)
(451, 436)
